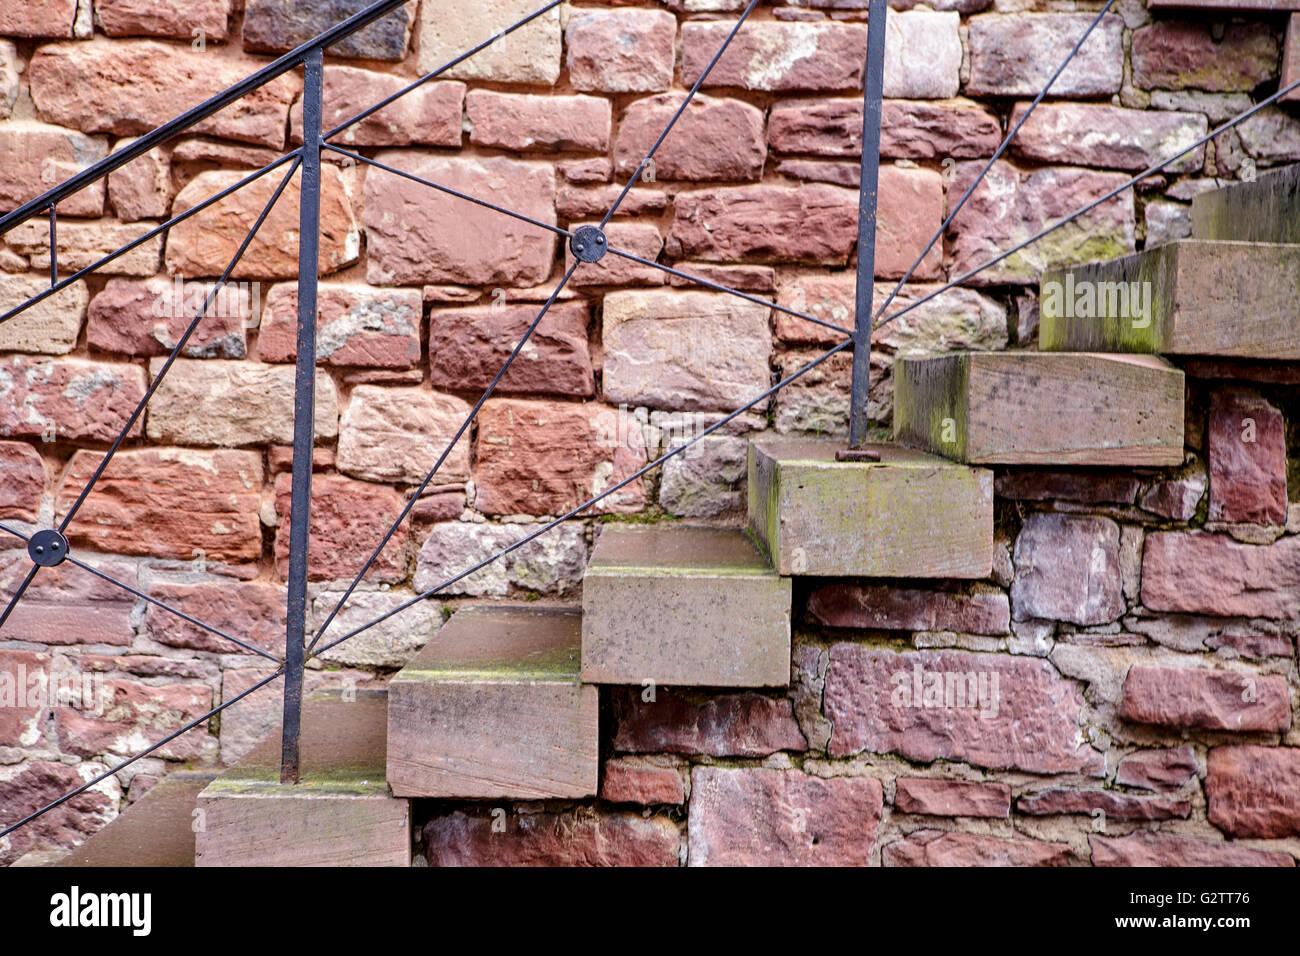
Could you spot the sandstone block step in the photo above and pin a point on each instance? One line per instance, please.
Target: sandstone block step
(1041, 408)
(339, 814)
(1264, 210)
(682, 606)
(493, 707)
(1190, 297)
(156, 830)
(909, 515)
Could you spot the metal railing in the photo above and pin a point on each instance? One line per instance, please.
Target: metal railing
(49, 547)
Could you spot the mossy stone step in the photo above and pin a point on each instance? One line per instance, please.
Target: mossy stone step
(1041, 408)
(909, 515)
(681, 605)
(1189, 297)
(341, 812)
(493, 707)
(1266, 209)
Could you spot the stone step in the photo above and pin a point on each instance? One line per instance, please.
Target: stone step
(1041, 408)
(339, 814)
(493, 707)
(1264, 210)
(156, 830)
(681, 605)
(909, 515)
(1190, 297)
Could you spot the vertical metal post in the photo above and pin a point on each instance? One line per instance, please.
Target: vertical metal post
(304, 413)
(873, 93)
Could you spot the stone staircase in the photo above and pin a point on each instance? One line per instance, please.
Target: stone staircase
(504, 702)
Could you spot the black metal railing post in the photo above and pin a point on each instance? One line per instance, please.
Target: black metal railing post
(304, 412)
(868, 195)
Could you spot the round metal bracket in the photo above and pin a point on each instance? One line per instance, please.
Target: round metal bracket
(588, 244)
(47, 548)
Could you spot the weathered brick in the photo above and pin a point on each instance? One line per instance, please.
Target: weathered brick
(1178, 54)
(348, 520)
(228, 403)
(715, 138)
(775, 56)
(38, 155)
(1067, 569)
(551, 562)
(205, 244)
(573, 203)
(416, 234)
(524, 122)
(1016, 54)
(1114, 806)
(684, 350)
(942, 848)
(277, 26)
(9, 84)
(1029, 720)
(27, 787)
(1177, 498)
(1157, 769)
(952, 798)
(536, 457)
(883, 606)
(781, 818)
(130, 86)
(39, 18)
(388, 644)
(136, 715)
(50, 326)
(1205, 573)
(356, 324)
(69, 399)
(636, 238)
(253, 611)
(468, 346)
(530, 54)
(628, 780)
(142, 189)
(1208, 699)
(84, 244)
(148, 317)
(397, 434)
(621, 51)
(706, 480)
(922, 54)
(1246, 440)
(1160, 849)
(1112, 137)
(429, 115)
(720, 725)
(1097, 487)
(168, 502)
(572, 838)
(24, 697)
(164, 18)
(22, 480)
(959, 128)
(1254, 791)
(67, 605)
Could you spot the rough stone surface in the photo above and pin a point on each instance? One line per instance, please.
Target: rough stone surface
(715, 139)
(398, 434)
(1212, 700)
(1030, 721)
(922, 54)
(575, 838)
(1246, 440)
(149, 316)
(253, 611)
(388, 644)
(1254, 791)
(50, 326)
(1202, 573)
(65, 605)
(1176, 55)
(523, 122)
(952, 798)
(416, 234)
(69, 399)
(357, 324)
(883, 606)
(38, 156)
(707, 479)
(940, 848)
(632, 781)
(781, 817)
(1067, 569)
(1115, 806)
(39, 18)
(429, 115)
(22, 480)
(1176, 499)
(136, 715)
(28, 786)
(770, 55)
(621, 51)
(1015, 55)
(551, 562)
(728, 725)
(277, 26)
(1159, 849)
(164, 18)
(910, 129)
(1157, 769)
(84, 244)
(1111, 137)
(541, 458)
(348, 520)
(142, 189)
(530, 54)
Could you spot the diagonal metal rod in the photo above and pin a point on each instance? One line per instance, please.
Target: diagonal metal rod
(144, 753)
(152, 600)
(447, 189)
(636, 173)
(352, 121)
(722, 288)
(1150, 170)
(176, 350)
(591, 501)
(124, 249)
(415, 495)
(22, 588)
(992, 159)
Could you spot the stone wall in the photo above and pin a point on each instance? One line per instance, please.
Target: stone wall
(1140, 627)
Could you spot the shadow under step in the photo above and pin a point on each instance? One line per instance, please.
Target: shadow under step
(1188, 297)
(909, 515)
(1041, 408)
(493, 707)
(683, 606)
(1264, 210)
(339, 814)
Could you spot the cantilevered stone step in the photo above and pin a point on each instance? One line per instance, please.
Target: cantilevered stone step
(340, 814)
(1265, 210)
(1041, 408)
(156, 830)
(493, 707)
(1190, 297)
(683, 606)
(909, 515)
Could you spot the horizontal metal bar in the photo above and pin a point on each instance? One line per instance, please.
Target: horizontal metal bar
(722, 288)
(1150, 170)
(122, 250)
(591, 501)
(173, 127)
(144, 753)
